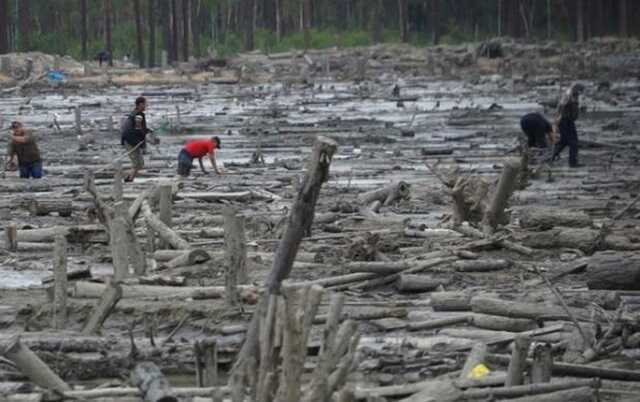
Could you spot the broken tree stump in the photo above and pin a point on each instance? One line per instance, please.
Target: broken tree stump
(31, 365)
(11, 237)
(119, 248)
(547, 218)
(235, 245)
(39, 207)
(495, 214)
(542, 363)
(118, 190)
(152, 383)
(476, 356)
(518, 363)
(110, 297)
(60, 282)
(614, 271)
(387, 195)
(165, 192)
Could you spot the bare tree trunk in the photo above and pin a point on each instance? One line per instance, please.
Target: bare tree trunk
(196, 26)
(580, 20)
(435, 21)
(83, 28)
(248, 9)
(165, 21)
(174, 30)
(306, 21)
(402, 21)
(139, 43)
(376, 21)
(500, 17)
(548, 19)
(24, 24)
(623, 20)
(4, 23)
(186, 28)
(278, 21)
(152, 33)
(107, 29)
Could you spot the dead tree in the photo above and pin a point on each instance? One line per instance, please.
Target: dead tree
(298, 223)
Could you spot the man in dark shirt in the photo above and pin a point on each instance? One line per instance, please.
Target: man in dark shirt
(567, 114)
(22, 145)
(538, 130)
(134, 137)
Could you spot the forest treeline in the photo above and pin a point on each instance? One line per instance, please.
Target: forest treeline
(144, 29)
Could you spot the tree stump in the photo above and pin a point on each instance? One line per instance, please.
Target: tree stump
(152, 383)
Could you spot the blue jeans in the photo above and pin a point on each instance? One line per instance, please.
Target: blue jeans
(185, 162)
(31, 170)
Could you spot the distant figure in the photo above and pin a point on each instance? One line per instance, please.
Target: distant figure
(396, 91)
(134, 136)
(538, 130)
(22, 144)
(102, 57)
(567, 114)
(198, 149)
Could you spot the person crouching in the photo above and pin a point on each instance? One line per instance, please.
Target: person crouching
(198, 149)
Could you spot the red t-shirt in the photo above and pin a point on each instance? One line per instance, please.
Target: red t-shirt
(199, 148)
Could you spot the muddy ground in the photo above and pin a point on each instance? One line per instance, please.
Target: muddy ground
(452, 113)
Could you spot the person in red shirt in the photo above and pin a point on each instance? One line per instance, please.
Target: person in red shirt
(198, 149)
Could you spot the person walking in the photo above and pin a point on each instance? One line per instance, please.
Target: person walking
(567, 114)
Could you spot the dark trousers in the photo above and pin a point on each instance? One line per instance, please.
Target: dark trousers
(185, 162)
(30, 170)
(568, 137)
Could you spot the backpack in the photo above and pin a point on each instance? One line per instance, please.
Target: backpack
(126, 124)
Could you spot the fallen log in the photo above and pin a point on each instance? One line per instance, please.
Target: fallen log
(491, 306)
(109, 297)
(164, 231)
(124, 392)
(94, 290)
(380, 267)
(531, 389)
(386, 195)
(451, 301)
(481, 265)
(577, 370)
(582, 394)
(420, 283)
(547, 218)
(439, 323)
(500, 323)
(186, 258)
(31, 365)
(614, 271)
(41, 207)
(153, 385)
(579, 238)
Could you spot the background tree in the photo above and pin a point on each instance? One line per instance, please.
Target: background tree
(83, 27)
(137, 11)
(151, 17)
(24, 23)
(4, 23)
(107, 29)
